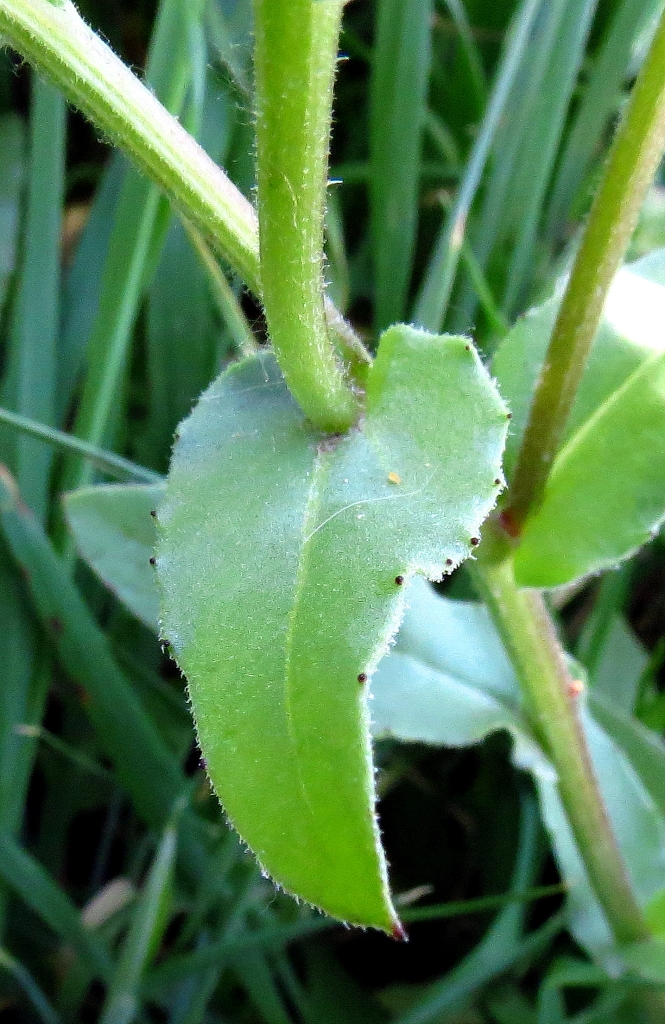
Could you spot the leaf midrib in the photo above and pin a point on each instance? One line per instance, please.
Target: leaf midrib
(569, 448)
(310, 514)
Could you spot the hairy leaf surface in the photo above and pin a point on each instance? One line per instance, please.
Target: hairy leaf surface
(284, 559)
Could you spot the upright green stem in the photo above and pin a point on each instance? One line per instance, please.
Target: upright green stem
(552, 697)
(295, 59)
(633, 160)
(55, 39)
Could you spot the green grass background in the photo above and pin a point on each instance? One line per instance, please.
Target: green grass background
(120, 900)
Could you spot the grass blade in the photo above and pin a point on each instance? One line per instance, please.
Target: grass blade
(144, 935)
(32, 359)
(12, 173)
(501, 945)
(257, 978)
(27, 983)
(600, 101)
(108, 462)
(83, 283)
(182, 336)
(546, 121)
(145, 768)
(130, 246)
(224, 297)
(472, 57)
(434, 294)
(397, 113)
(45, 898)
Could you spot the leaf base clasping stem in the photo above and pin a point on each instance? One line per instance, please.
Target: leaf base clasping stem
(295, 58)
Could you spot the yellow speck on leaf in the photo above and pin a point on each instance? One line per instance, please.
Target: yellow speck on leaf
(394, 478)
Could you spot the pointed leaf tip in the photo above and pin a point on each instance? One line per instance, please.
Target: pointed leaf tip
(279, 560)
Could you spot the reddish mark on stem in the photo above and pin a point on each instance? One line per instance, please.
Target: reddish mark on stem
(399, 932)
(508, 524)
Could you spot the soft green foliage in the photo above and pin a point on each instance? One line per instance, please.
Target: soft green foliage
(448, 681)
(605, 497)
(115, 534)
(11, 175)
(468, 139)
(328, 524)
(145, 935)
(30, 381)
(593, 513)
(400, 75)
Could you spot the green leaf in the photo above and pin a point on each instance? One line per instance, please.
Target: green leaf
(620, 664)
(647, 959)
(400, 75)
(35, 887)
(143, 764)
(656, 914)
(605, 496)
(447, 681)
(12, 172)
(612, 65)
(629, 333)
(115, 534)
(643, 746)
(32, 352)
(144, 935)
(279, 556)
(606, 492)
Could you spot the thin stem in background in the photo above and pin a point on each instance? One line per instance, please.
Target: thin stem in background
(551, 695)
(634, 157)
(222, 293)
(295, 59)
(107, 462)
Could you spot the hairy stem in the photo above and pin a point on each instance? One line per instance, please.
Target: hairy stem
(59, 43)
(552, 697)
(295, 58)
(56, 40)
(633, 160)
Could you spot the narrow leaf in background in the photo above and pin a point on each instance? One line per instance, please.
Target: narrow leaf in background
(130, 246)
(448, 681)
(400, 74)
(30, 386)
